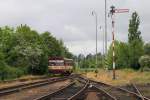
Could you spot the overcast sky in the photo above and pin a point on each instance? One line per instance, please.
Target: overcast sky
(71, 20)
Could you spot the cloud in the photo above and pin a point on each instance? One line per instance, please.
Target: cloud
(84, 47)
(71, 20)
(73, 33)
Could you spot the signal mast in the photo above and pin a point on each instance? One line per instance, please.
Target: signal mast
(112, 14)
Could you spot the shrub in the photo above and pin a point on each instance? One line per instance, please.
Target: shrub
(144, 62)
(7, 72)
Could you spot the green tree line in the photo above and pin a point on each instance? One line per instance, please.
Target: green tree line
(130, 54)
(89, 61)
(25, 51)
(133, 54)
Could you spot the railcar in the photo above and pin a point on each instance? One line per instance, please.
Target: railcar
(60, 65)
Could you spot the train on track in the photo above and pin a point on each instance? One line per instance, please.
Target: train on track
(60, 65)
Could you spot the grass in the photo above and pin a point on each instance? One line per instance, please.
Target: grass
(122, 76)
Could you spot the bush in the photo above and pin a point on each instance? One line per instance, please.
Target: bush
(144, 62)
(7, 72)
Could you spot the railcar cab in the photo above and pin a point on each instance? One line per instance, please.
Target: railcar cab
(60, 65)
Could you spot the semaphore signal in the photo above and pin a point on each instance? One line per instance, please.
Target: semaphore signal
(112, 13)
(121, 10)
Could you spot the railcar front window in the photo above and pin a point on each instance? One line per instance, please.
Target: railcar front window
(56, 63)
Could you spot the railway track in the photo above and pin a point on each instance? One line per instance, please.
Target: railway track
(142, 90)
(24, 79)
(72, 91)
(95, 93)
(76, 87)
(136, 90)
(117, 92)
(145, 90)
(22, 87)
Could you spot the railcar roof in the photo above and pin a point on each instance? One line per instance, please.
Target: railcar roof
(59, 58)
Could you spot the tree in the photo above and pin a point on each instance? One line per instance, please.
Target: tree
(27, 51)
(135, 41)
(55, 47)
(147, 49)
(6, 34)
(89, 61)
(134, 33)
(135, 52)
(2, 66)
(121, 55)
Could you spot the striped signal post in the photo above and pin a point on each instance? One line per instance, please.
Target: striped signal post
(112, 13)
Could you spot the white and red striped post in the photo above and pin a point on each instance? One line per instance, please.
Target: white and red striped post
(112, 12)
(113, 43)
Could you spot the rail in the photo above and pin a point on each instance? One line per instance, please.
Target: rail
(13, 89)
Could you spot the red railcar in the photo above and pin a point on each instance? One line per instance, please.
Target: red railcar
(60, 65)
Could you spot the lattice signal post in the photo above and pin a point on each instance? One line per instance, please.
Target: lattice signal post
(112, 14)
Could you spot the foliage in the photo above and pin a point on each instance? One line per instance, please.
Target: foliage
(144, 62)
(6, 34)
(89, 61)
(135, 41)
(25, 51)
(147, 49)
(55, 47)
(7, 72)
(136, 50)
(10, 72)
(134, 33)
(121, 55)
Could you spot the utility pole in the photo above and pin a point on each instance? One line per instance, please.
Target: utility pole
(95, 14)
(112, 13)
(105, 27)
(103, 37)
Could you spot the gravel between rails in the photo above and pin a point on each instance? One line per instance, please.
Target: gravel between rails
(144, 89)
(31, 94)
(118, 93)
(72, 91)
(69, 92)
(95, 93)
